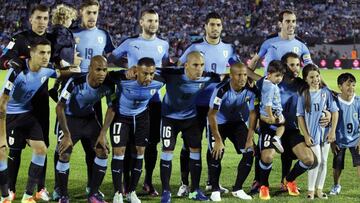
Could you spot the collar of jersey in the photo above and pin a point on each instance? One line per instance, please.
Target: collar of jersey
(346, 102)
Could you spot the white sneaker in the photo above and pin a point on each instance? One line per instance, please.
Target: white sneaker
(215, 196)
(335, 190)
(133, 197)
(43, 195)
(241, 194)
(183, 191)
(118, 198)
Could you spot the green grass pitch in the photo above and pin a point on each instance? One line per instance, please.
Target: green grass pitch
(77, 181)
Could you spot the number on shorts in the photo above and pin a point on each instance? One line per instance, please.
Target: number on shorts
(60, 135)
(116, 128)
(166, 132)
(267, 140)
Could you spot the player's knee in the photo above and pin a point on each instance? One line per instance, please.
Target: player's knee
(308, 160)
(195, 149)
(65, 157)
(140, 150)
(41, 149)
(267, 158)
(101, 153)
(119, 151)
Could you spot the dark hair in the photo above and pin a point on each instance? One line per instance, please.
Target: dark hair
(87, 3)
(305, 89)
(345, 77)
(39, 41)
(146, 61)
(284, 58)
(276, 66)
(212, 15)
(39, 7)
(281, 14)
(148, 11)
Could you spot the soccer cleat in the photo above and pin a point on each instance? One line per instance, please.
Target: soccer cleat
(56, 194)
(64, 199)
(133, 198)
(292, 188)
(241, 194)
(149, 189)
(43, 194)
(215, 196)
(5, 199)
(283, 187)
(165, 197)
(198, 195)
(12, 195)
(277, 144)
(183, 191)
(87, 190)
(118, 198)
(264, 193)
(255, 187)
(27, 199)
(335, 190)
(96, 198)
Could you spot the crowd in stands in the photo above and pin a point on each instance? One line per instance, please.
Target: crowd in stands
(181, 21)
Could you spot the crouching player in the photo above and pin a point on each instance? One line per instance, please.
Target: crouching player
(77, 120)
(347, 131)
(226, 121)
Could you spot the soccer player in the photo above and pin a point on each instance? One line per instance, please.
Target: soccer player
(314, 98)
(179, 115)
(92, 41)
(282, 42)
(77, 119)
(217, 55)
(21, 125)
(131, 123)
(347, 130)
(270, 105)
(147, 44)
(226, 121)
(18, 48)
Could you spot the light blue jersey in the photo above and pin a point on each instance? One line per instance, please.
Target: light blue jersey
(217, 58)
(22, 86)
(270, 96)
(93, 42)
(132, 97)
(80, 97)
(230, 103)
(320, 100)
(348, 128)
(181, 92)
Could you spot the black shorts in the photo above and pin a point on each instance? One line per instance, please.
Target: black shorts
(22, 127)
(235, 131)
(339, 158)
(266, 133)
(132, 129)
(188, 127)
(155, 118)
(289, 140)
(81, 127)
(202, 112)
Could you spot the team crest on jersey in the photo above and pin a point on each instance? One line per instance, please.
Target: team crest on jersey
(11, 140)
(43, 79)
(152, 91)
(100, 40)
(226, 53)
(296, 50)
(160, 49)
(116, 139)
(355, 115)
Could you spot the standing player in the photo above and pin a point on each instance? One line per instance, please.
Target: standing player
(347, 131)
(179, 115)
(314, 98)
(92, 41)
(218, 55)
(18, 48)
(77, 119)
(282, 42)
(226, 121)
(21, 125)
(131, 123)
(147, 44)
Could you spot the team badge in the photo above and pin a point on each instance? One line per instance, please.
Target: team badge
(100, 40)
(160, 49)
(296, 49)
(355, 115)
(43, 79)
(116, 139)
(226, 53)
(11, 140)
(152, 91)
(9, 85)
